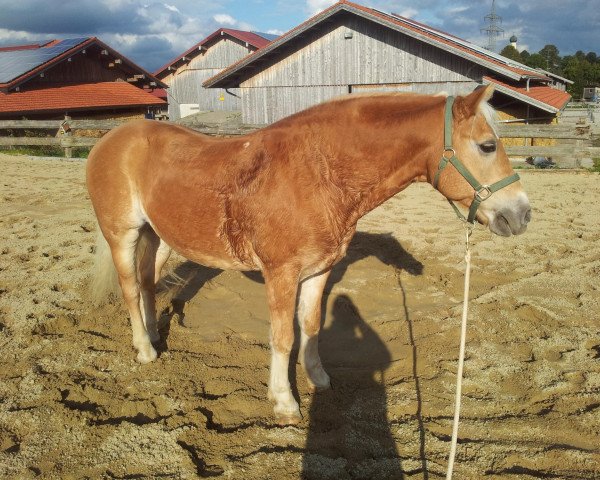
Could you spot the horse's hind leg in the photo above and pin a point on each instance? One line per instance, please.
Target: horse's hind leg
(282, 288)
(150, 261)
(123, 248)
(309, 317)
(162, 255)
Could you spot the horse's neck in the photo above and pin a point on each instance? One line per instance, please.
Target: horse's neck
(377, 161)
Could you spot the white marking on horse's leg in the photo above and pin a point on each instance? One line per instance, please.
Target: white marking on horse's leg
(309, 316)
(123, 252)
(162, 255)
(311, 362)
(286, 408)
(282, 288)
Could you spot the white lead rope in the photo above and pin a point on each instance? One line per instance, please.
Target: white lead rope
(461, 354)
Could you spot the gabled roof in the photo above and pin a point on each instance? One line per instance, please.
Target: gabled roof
(255, 39)
(541, 96)
(238, 72)
(88, 96)
(21, 63)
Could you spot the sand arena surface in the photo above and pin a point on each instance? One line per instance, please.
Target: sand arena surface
(75, 404)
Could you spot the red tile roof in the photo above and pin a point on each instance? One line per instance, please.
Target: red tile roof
(250, 38)
(89, 96)
(159, 92)
(544, 94)
(14, 48)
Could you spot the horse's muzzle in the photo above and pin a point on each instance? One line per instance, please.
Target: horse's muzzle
(511, 221)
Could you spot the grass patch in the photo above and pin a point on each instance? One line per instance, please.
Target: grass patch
(596, 165)
(45, 151)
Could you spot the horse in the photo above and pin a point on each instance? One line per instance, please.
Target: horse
(285, 200)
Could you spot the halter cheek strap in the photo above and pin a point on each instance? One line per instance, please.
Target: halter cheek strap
(482, 192)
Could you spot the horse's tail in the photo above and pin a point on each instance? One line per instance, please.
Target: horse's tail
(104, 283)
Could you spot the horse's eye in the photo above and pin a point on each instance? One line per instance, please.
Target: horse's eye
(487, 147)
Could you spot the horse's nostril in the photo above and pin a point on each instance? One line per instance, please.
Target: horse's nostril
(527, 217)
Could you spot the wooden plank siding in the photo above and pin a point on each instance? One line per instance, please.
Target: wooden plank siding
(185, 85)
(262, 106)
(324, 64)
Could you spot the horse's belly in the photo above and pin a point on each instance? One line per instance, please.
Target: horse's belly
(196, 234)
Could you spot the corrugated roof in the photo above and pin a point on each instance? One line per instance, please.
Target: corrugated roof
(89, 96)
(415, 29)
(256, 39)
(541, 96)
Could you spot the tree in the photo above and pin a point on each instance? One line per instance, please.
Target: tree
(511, 52)
(535, 60)
(525, 55)
(552, 58)
(591, 57)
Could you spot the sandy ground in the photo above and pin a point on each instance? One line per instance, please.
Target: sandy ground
(75, 404)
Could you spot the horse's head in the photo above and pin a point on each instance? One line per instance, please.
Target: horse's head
(473, 146)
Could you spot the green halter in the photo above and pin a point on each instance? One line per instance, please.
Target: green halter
(482, 192)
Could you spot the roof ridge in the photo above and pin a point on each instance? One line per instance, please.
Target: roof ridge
(238, 34)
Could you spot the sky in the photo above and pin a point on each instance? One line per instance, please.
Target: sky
(151, 33)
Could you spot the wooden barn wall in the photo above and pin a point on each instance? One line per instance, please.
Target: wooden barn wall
(82, 69)
(266, 105)
(185, 85)
(374, 55)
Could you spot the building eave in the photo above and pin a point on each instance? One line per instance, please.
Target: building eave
(523, 98)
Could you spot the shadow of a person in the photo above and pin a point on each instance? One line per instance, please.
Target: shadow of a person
(383, 246)
(349, 432)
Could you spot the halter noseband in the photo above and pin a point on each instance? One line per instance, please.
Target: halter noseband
(482, 192)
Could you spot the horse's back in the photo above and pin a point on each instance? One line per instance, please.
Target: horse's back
(174, 179)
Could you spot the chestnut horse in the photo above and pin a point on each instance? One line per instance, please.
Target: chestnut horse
(284, 200)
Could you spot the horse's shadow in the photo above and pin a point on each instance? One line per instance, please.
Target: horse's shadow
(189, 277)
(364, 382)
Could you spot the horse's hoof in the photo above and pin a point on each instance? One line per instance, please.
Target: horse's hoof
(318, 388)
(147, 356)
(285, 420)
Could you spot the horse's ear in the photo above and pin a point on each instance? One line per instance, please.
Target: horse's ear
(466, 107)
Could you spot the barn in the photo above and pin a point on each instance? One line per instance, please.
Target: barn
(184, 75)
(349, 48)
(79, 77)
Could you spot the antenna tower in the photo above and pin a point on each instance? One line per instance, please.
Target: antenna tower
(493, 29)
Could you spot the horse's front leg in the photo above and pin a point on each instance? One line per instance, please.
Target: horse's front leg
(309, 317)
(282, 288)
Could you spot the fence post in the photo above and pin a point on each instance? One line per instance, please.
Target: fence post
(67, 133)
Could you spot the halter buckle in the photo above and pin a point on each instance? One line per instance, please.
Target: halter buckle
(483, 193)
(449, 150)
